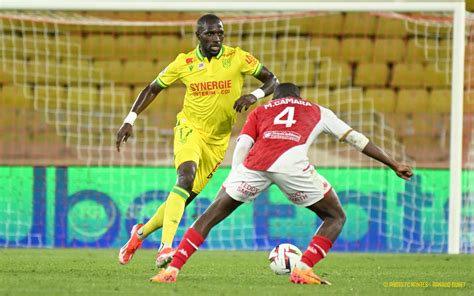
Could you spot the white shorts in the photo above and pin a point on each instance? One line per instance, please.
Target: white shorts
(303, 189)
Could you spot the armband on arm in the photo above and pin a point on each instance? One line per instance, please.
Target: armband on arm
(131, 117)
(258, 93)
(356, 140)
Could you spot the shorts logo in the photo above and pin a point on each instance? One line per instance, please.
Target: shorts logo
(247, 189)
(214, 170)
(298, 196)
(183, 135)
(226, 63)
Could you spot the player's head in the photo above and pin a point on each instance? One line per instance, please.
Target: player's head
(210, 33)
(286, 89)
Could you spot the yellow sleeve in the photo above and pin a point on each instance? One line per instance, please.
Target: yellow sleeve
(169, 74)
(249, 65)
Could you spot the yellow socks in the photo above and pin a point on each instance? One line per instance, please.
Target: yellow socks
(173, 213)
(154, 223)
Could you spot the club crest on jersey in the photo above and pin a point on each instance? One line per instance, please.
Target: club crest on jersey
(189, 60)
(226, 63)
(201, 66)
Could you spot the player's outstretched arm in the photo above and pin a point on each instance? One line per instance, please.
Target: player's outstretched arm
(270, 82)
(402, 170)
(146, 96)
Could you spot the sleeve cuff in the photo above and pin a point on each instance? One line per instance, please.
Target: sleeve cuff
(258, 69)
(161, 83)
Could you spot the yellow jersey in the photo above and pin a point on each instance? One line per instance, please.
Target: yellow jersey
(212, 87)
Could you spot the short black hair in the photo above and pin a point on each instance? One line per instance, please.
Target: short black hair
(206, 19)
(286, 89)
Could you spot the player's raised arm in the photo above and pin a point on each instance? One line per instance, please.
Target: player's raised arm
(340, 129)
(270, 82)
(146, 96)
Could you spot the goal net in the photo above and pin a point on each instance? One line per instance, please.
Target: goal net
(68, 80)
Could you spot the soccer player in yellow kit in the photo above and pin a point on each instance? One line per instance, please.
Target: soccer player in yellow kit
(214, 75)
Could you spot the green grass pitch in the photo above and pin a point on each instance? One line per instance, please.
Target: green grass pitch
(97, 272)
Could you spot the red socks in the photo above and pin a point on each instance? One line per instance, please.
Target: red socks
(188, 245)
(317, 250)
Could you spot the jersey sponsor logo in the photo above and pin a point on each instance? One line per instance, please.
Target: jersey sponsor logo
(247, 189)
(226, 63)
(250, 59)
(286, 101)
(282, 135)
(210, 88)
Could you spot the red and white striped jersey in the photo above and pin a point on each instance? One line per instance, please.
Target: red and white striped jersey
(283, 130)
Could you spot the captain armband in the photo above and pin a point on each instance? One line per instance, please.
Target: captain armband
(356, 140)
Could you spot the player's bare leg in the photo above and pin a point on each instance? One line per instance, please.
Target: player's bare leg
(175, 205)
(329, 209)
(221, 208)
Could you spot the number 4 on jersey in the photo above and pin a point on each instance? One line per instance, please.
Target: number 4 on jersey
(289, 121)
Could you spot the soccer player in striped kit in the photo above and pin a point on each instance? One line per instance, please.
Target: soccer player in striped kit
(272, 149)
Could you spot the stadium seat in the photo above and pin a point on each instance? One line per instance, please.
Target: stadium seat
(333, 74)
(437, 75)
(327, 24)
(412, 101)
(316, 95)
(167, 47)
(389, 50)
(390, 27)
(113, 70)
(16, 96)
(291, 48)
(115, 96)
(371, 74)
(162, 112)
(469, 101)
(100, 46)
(384, 99)
(356, 50)
(407, 75)
(134, 47)
(49, 98)
(83, 98)
(301, 72)
(440, 101)
(329, 47)
(425, 50)
(140, 72)
(348, 100)
(359, 24)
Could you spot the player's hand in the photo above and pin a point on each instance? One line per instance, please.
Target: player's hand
(244, 102)
(403, 171)
(123, 133)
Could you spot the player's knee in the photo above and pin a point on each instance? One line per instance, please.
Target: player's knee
(340, 218)
(186, 181)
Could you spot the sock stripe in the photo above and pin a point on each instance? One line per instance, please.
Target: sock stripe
(321, 251)
(180, 191)
(191, 243)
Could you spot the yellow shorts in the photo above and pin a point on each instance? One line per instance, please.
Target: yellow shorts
(189, 146)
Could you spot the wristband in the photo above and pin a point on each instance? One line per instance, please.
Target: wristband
(131, 117)
(258, 93)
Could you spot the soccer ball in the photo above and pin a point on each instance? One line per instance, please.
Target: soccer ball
(283, 258)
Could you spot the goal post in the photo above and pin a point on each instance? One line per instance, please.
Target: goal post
(456, 10)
